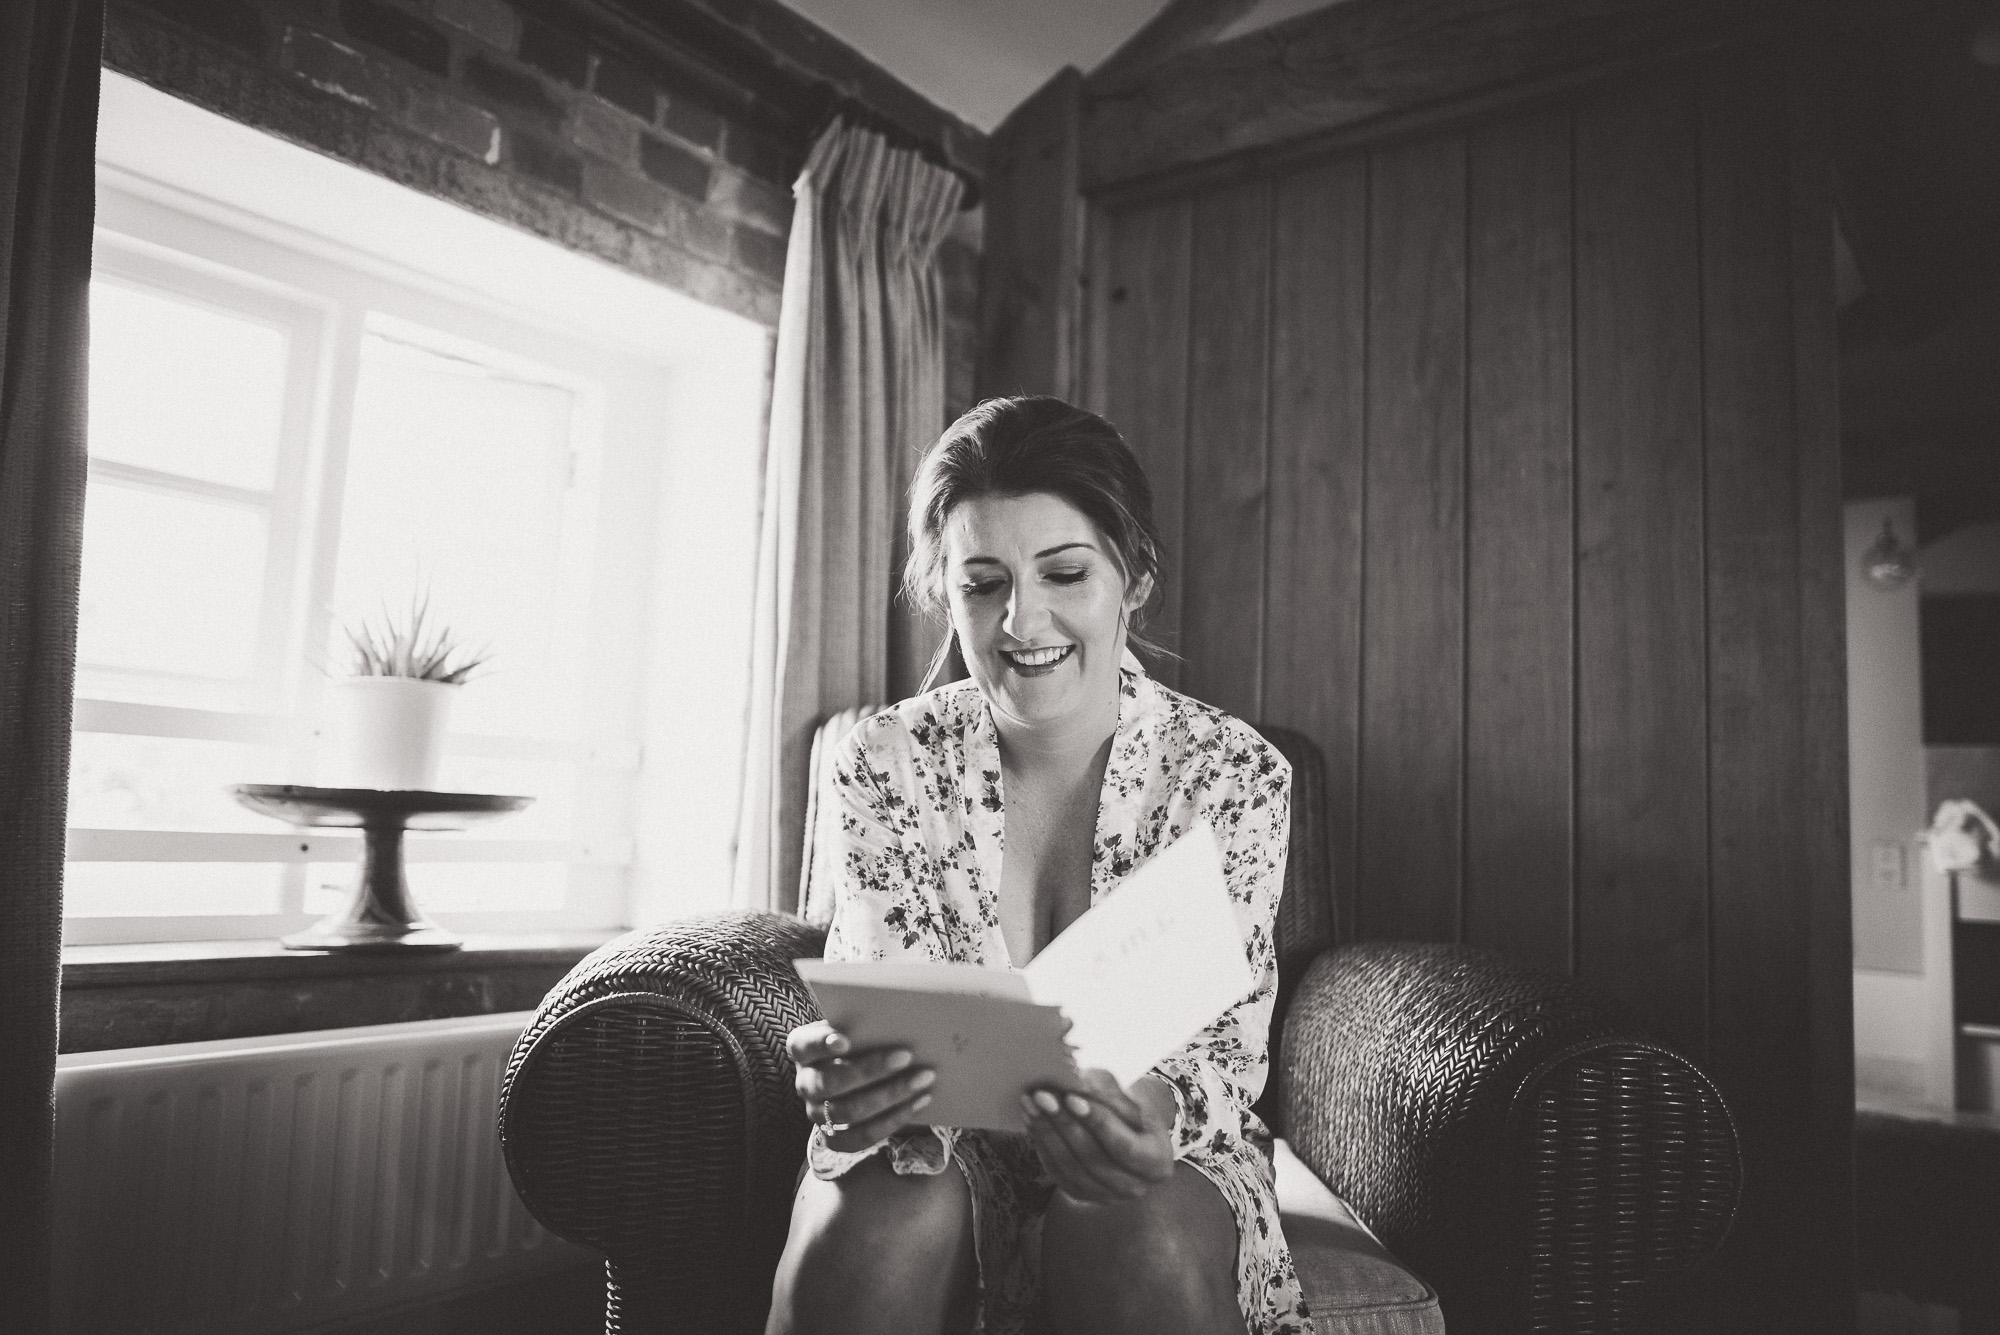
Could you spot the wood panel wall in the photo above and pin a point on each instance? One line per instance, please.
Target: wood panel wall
(1500, 460)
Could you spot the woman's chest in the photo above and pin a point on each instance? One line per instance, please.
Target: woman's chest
(1045, 868)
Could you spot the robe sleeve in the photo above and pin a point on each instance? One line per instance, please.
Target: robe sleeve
(884, 896)
(1242, 786)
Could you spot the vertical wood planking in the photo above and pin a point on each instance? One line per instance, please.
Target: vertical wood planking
(1642, 735)
(1519, 536)
(1145, 277)
(1030, 257)
(1223, 567)
(1312, 638)
(1826, 1199)
(1412, 688)
(1759, 987)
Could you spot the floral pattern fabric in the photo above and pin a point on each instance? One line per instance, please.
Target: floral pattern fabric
(916, 861)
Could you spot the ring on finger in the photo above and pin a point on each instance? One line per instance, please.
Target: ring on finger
(826, 1115)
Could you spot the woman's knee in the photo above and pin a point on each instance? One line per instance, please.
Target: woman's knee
(1169, 1256)
(869, 1244)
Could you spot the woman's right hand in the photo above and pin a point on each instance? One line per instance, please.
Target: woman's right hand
(863, 1098)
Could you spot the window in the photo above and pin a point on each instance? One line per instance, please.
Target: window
(291, 429)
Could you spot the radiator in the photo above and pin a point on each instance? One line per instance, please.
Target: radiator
(260, 1185)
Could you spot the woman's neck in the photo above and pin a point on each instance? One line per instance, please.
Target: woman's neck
(1068, 743)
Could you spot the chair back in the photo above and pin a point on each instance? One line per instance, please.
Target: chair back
(816, 888)
(1305, 927)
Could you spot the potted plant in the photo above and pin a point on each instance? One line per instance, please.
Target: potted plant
(387, 717)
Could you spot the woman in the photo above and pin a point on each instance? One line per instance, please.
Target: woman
(1148, 1208)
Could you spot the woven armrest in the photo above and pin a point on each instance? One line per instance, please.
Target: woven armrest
(1506, 1132)
(648, 1113)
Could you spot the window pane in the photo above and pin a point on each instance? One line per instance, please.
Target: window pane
(163, 889)
(171, 583)
(167, 783)
(184, 388)
(549, 782)
(451, 887)
(457, 479)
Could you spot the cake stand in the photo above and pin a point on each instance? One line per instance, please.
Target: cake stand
(381, 916)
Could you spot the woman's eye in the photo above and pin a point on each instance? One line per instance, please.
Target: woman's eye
(1067, 576)
(979, 588)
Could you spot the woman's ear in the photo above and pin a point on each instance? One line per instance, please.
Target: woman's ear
(1136, 595)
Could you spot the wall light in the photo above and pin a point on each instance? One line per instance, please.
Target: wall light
(1889, 561)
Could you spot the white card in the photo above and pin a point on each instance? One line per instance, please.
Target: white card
(1151, 964)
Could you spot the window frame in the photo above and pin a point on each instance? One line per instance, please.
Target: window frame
(329, 308)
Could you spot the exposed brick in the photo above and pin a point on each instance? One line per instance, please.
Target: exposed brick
(546, 163)
(758, 252)
(747, 199)
(450, 121)
(597, 129)
(492, 22)
(629, 198)
(761, 156)
(401, 35)
(674, 167)
(340, 70)
(135, 43)
(555, 53)
(510, 87)
(623, 86)
(697, 229)
(227, 21)
(692, 122)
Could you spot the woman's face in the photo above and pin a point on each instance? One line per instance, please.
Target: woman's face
(1039, 604)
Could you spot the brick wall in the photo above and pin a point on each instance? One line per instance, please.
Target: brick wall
(521, 114)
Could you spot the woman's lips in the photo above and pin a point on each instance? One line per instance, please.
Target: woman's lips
(1038, 662)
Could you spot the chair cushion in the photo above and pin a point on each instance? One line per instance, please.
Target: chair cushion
(1352, 1284)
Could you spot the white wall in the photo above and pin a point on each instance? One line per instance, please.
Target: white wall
(1901, 972)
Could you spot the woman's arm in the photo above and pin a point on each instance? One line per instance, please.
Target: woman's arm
(883, 894)
(1243, 788)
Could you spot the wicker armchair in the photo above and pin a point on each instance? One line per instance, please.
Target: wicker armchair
(1508, 1136)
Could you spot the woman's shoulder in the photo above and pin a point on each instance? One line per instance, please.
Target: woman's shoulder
(921, 724)
(1200, 734)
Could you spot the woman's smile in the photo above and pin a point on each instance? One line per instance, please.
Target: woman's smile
(1038, 662)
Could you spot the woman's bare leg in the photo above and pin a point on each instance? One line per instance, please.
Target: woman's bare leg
(872, 1252)
(1164, 1264)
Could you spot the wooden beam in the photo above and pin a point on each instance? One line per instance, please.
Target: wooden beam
(1031, 261)
(1181, 26)
(1369, 60)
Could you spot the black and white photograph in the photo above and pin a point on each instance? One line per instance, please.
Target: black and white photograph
(999, 667)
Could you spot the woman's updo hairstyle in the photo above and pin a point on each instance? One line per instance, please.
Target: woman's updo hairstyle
(1034, 443)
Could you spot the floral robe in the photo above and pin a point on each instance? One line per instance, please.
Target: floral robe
(915, 863)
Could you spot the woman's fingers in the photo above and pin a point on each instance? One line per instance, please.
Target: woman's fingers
(1058, 1158)
(861, 1107)
(1120, 1137)
(1102, 1087)
(810, 1044)
(1073, 1153)
(860, 1135)
(838, 1077)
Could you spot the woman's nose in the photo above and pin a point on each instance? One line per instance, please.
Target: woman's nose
(1026, 614)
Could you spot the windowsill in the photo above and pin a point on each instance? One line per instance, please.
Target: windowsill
(187, 991)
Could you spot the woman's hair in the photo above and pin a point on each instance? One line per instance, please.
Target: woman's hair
(1012, 447)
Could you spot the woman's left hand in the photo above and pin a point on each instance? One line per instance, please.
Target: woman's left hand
(1104, 1144)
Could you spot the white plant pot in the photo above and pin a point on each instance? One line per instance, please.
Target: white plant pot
(386, 732)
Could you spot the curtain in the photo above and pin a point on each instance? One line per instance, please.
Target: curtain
(48, 133)
(857, 394)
